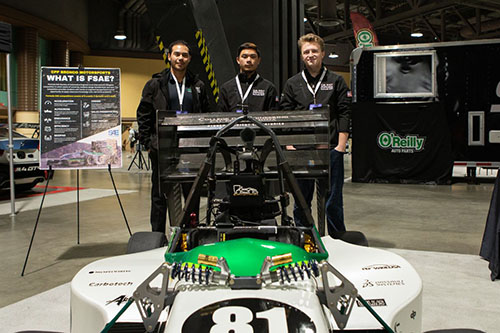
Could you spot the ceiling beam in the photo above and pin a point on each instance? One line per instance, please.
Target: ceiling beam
(370, 8)
(378, 10)
(347, 15)
(464, 20)
(482, 5)
(432, 7)
(430, 27)
(478, 21)
(443, 26)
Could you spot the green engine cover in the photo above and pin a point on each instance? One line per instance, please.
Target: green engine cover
(245, 256)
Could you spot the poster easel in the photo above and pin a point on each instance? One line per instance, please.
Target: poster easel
(79, 126)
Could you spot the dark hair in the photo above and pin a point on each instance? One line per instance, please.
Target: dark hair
(179, 42)
(248, 45)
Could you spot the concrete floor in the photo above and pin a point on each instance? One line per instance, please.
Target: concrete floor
(415, 217)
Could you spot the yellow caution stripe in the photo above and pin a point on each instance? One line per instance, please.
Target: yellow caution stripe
(162, 50)
(208, 64)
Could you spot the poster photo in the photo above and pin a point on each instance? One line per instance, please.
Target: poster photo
(80, 118)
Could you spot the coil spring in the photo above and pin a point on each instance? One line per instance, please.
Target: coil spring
(195, 274)
(298, 270)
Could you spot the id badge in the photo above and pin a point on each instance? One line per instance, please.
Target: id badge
(240, 108)
(314, 106)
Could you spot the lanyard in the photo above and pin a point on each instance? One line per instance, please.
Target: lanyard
(244, 97)
(313, 92)
(180, 92)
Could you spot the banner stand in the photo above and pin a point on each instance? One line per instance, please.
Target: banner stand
(50, 175)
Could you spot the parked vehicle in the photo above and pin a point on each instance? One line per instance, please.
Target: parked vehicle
(25, 156)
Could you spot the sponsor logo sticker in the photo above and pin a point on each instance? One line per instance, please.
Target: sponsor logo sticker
(383, 283)
(119, 300)
(111, 284)
(376, 267)
(372, 302)
(110, 271)
(240, 191)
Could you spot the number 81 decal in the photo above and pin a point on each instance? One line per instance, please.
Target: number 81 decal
(248, 315)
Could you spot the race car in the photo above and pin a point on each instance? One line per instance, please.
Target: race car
(250, 268)
(25, 156)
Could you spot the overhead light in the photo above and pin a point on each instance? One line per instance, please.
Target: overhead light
(329, 23)
(333, 55)
(417, 34)
(120, 35)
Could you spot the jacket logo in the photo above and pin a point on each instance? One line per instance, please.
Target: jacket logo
(198, 90)
(326, 86)
(240, 191)
(258, 92)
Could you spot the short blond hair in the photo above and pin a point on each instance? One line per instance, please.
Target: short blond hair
(311, 38)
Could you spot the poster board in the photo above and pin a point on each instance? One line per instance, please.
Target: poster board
(80, 118)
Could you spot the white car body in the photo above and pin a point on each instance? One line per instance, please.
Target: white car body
(385, 280)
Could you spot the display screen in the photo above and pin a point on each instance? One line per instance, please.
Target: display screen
(405, 74)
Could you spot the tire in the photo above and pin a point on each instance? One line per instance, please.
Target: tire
(145, 241)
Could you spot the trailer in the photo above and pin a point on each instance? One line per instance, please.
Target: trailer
(420, 109)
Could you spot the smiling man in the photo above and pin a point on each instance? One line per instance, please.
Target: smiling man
(315, 87)
(248, 90)
(173, 89)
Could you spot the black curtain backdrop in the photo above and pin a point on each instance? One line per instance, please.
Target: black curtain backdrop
(385, 163)
(5, 37)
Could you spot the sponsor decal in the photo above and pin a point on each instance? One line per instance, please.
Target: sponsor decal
(258, 92)
(376, 267)
(367, 284)
(411, 143)
(240, 191)
(119, 300)
(413, 314)
(110, 284)
(372, 302)
(326, 86)
(110, 271)
(385, 283)
(248, 315)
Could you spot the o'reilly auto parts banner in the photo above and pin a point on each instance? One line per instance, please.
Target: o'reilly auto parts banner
(80, 124)
(401, 143)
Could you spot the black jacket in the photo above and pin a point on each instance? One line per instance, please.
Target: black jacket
(262, 97)
(155, 97)
(333, 91)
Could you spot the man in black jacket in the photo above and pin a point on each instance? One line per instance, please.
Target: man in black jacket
(314, 87)
(172, 89)
(248, 90)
